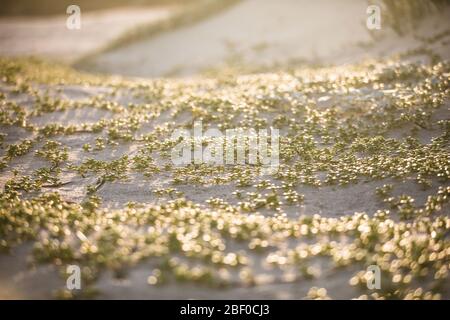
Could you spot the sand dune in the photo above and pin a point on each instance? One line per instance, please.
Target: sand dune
(262, 32)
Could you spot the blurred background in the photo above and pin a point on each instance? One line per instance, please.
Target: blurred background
(56, 7)
(166, 38)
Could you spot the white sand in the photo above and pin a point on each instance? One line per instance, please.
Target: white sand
(18, 279)
(264, 32)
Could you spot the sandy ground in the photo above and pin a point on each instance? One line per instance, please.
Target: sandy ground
(49, 37)
(256, 31)
(21, 279)
(263, 33)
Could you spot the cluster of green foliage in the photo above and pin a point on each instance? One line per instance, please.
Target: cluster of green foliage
(379, 123)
